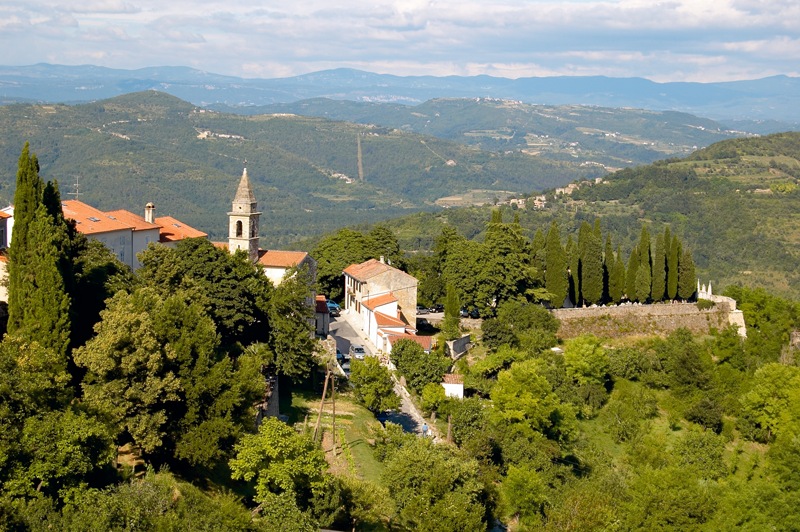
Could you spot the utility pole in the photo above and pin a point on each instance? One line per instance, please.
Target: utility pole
(322, 403)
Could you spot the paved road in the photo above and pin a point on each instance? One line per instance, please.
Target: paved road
(346, 332)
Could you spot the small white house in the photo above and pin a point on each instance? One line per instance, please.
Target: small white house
(453, 385)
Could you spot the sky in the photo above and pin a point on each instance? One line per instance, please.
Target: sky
(670, 40)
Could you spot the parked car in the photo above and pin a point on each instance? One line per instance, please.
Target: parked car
(437, 308)
(422, 310)
(332, 305)
(474, 314)
(357, 352)
(339, 356)
(333, 311)
(464, 312)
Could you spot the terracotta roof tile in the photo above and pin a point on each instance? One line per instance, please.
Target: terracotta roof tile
(452, 378)
(384, 320)
(369, 269)
(374, 302)
(426, 342)
(280, 259)
(4, 215)
(90, 220)
(173, 230)
(134, 220)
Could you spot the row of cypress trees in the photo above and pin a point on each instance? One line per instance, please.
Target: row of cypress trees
(591, 272)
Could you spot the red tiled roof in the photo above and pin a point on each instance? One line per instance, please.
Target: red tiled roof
(173, 230)
(426, 342)
(90, 220)
(374, 302)
(221, 245)
(452, 378)
(280, 259)
(134, 220)
(384, 320)
(4, 215)
(371, 268)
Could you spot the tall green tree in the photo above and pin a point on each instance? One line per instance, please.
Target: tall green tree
(631, 274)
(659, 284)
(373, 385)
(556, 281)
(591, 268)
(539, 257)
(451, 328)
(45, 312)
(672, 267)
(644, 277)
(687, 280)
(291, 335)
(573, 277)
(616, 280)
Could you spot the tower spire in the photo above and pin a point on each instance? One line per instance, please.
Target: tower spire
(243, 219)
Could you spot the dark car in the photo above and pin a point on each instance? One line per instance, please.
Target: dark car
(437, 308)
(333, 311)
(474, 314)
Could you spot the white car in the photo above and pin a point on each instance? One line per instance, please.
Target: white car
(357, 352)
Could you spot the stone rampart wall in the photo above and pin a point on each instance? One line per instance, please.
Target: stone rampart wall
(633, 320)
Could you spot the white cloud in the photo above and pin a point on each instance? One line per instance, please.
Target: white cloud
(672, 39)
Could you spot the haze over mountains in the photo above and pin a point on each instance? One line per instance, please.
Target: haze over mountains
(774, 98)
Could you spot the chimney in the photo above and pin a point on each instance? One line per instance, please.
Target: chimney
(150, 213)
(381, 259)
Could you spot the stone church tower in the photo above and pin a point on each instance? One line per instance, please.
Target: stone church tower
(243, 220)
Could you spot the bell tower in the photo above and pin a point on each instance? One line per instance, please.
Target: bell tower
(243, 220)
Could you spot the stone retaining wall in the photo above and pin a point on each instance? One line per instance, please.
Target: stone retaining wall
(632, 320)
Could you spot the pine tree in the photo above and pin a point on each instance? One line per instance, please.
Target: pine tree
(687, 282)
(555, 267)
(659, 270)
(630, 274)
(672, 268)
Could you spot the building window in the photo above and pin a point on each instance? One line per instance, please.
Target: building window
(239, 229)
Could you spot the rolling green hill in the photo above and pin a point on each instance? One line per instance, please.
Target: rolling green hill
(735, 204)
(150, 146)
(617, 137)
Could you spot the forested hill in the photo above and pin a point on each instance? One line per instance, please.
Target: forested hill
(306, 172)
(616, 137)
(733, 204)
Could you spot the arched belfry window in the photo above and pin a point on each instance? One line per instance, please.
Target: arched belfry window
(239, 229)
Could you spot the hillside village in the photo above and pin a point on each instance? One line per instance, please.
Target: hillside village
(523, 377)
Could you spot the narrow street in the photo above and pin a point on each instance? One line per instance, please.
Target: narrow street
(346, 332)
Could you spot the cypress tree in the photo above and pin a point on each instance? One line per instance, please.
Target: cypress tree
(538, 254)
(643, 273)
(592, 269)
(687, 282)
(616, 283)
(672, 268)
(573, 261)
(630, 274)
(608, 267)
(659, 270)
(45, 316)
(452, 313)
(27, 198)
(556, 281)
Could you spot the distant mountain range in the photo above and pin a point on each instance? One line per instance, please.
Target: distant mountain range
(770, 99)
